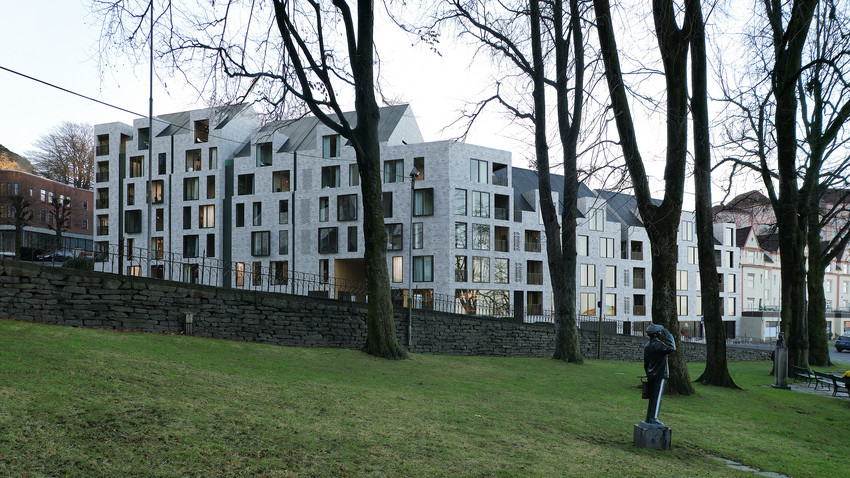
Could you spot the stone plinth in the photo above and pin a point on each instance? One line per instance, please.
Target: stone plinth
(652, 436)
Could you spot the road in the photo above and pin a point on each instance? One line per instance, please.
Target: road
(839, 357)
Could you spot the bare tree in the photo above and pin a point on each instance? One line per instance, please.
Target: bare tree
(66, 155)
(531, 37)
(291, 57)
(60, 213)
(662, 220)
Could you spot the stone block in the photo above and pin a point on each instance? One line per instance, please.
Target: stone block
(655, 437)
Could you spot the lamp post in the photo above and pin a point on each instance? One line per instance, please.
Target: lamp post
(413, 173)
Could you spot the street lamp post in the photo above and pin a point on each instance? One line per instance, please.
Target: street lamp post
(413, 173)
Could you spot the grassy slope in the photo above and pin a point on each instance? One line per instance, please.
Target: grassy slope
(93, 403)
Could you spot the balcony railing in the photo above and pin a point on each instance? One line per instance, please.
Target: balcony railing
(532, 246)
(637, 255)
(500, 245)
(639, 283)
(535, 278)
(101, 150)
(501, 213)
(101, 203)
(499, 179)
(101, 177)
(102, 230)
(639, 310)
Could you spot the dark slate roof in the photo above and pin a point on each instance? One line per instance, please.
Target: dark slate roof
(741, 235)
(622, 206)
(769, 242)
(743, 202)
(524, 180)
(180, 123)
(302, 131)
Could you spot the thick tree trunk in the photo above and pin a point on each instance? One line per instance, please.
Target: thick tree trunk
(818, 346)
(716, 369)
(664, 311)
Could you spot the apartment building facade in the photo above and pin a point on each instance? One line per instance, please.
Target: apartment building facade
(42, 194)
(269, 200)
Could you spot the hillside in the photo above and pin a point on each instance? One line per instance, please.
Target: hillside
(11, 160)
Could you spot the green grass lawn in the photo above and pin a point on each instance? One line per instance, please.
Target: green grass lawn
(79, 402)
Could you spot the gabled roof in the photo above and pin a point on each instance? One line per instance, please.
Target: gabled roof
(301, 132)
(769, 242)
(524, 180)
(741, 235)
(744, 201)
(623, 206)
(181, 123)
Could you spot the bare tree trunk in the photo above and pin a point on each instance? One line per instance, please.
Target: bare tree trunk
(716, 369)
(816, 312)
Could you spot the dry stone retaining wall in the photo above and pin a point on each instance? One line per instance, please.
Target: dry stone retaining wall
(62, 296)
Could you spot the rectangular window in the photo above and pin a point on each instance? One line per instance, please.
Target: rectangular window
(346, 207)
(687, 231)
(133, 221)
(398, 271)
(423, 268)
(352, 238)
(606, 247)
(327, 240)
(210, 187)
(423, 202)
(210, 252)
(202, 131)
(324, 209)
(610, 305)
(532, 241)
(160, 219)
(157, 247)
(637, 250)
(157, 191)
(478, 171)
(279, 272)
(258, 214)
(597, 220)
(136, 166)
(257, 273)
(162, 163)
(144, 138)
(730, 282)
(419, 164)
(191, 189)
(240, 215)
(481, 269)
(190, 246)
(681, 305)
(460, 202)
(587, 303)
(324, 270)
(240, 274)
(283, 242)
(460, 235)
(681, 280)
(280, 181)
(730, 259)
(353, 175)
(206, 216)
(283, 211)
(245, 184)
(394, 171)
(187, 217)
(193, 160)
(387, 204)
(330, 177)
(131, 194)
(501, 271)
(693, 258)
(582, 245)
(417, 235)
(480, 204)
(260, 243)
(611, 276)
(213, 159)
(460, 269)
(330, 146)
(639, 278)
(481, 237)
(264, 154)
(395, 240)
(587, 275)
(729, 237)
(534, 272)
(102, 148)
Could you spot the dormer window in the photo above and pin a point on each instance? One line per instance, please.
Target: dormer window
(330, 146)
(264, 154)
(202, 131)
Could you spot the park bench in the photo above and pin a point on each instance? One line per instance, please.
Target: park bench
(823, 379)
(838, 383)
(801, 373)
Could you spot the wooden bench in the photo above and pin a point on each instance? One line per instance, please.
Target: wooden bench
(839, 383)
(824, 380)
(800, 373)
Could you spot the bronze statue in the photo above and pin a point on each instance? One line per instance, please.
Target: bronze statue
(655, 352)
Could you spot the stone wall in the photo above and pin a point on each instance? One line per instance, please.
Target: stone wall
(89, 299)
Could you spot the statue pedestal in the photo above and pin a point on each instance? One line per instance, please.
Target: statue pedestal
(652, 436)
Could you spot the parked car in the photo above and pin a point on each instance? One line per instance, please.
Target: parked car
(56, 256)
(842, 343)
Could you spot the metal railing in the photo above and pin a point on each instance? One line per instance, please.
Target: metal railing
(101, 177)
(638, 283)
(101, 150)
(532, 246)
(535, 278)
(500, 213)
